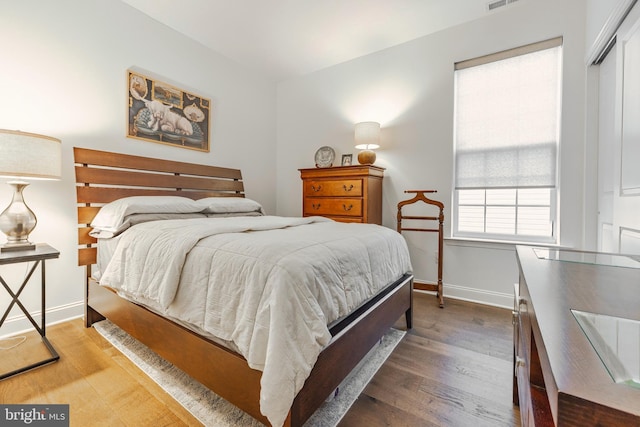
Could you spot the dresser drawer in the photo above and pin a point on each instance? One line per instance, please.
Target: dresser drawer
(339, 188)
(332, 206)
(345, 218)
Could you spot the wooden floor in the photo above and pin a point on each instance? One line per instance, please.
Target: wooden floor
(452, 369)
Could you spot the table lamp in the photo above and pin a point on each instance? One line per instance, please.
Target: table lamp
(25, 155)
(367, 138)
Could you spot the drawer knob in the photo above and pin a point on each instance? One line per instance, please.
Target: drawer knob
(347, 208)
(347, 189)
(519, 363)
(316, 189)
(517, 299)
(315, 206)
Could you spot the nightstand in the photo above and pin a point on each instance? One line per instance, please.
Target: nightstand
(38, 256)
(343, 193)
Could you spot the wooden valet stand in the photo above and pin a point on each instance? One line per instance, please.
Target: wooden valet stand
(420, 197)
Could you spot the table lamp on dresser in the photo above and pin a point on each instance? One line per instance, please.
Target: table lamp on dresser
(367, 138)
(25, 155)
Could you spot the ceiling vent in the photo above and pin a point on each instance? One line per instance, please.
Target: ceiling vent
(496, 4)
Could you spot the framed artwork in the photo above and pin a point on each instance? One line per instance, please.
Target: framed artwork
(160, 112)
(347, 159)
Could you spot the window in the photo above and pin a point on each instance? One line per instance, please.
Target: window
(507, 115)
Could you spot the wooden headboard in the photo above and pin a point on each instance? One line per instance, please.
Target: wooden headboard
(103, 177)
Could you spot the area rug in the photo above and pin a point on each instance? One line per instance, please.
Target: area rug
(212, 410)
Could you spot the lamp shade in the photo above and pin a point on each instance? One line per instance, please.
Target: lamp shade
(29, 155)
(367, 135)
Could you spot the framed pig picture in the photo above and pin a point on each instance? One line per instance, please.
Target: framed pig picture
(160, 112)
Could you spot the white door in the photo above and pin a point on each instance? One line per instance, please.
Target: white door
(606, 144)
(619, 142)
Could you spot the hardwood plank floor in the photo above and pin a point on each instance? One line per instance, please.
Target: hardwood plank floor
(452, 369)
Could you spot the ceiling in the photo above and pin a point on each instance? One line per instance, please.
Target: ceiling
(283, 39)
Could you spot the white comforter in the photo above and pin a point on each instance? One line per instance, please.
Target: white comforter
(270, 285)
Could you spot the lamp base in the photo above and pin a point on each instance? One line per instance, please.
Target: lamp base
(13, 247)
(367, 157)
(17, 221)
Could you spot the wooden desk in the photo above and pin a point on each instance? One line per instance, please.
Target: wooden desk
(559, 379)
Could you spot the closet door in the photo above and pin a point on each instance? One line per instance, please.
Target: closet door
(606, 146)
(624, 218)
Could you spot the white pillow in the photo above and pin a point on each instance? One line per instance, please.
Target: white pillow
(215, 205)
(111, 217)
(232, 214)
(133, 219)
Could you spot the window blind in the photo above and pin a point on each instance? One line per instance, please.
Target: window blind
(507, 118)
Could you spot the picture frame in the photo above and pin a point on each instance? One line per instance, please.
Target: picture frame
(163, 113)
(347, 159)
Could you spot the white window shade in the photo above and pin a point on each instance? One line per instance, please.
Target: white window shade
(507, 121)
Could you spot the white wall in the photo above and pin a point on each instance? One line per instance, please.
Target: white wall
(409, 90)
(63, 74)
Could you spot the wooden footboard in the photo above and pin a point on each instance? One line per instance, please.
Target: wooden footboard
(350, 346)
(102, 177)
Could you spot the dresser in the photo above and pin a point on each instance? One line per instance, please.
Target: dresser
(343, 193)
(576, 328)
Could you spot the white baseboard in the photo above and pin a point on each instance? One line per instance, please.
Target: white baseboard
(20, 324)
(480, 296)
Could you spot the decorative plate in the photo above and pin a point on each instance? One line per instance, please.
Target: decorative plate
(324, 157)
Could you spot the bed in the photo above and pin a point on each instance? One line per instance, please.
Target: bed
(105, 177)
